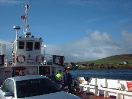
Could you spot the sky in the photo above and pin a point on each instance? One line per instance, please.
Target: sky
(81, 30)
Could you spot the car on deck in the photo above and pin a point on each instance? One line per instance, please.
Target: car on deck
(32, 87)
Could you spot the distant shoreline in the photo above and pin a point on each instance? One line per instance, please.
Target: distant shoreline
(105, 67)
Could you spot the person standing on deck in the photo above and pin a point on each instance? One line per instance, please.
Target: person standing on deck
(67, 80)
(58, 77)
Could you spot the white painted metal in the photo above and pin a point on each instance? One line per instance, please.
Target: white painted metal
(108, 87)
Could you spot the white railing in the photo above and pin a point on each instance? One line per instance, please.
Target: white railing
(107, 88)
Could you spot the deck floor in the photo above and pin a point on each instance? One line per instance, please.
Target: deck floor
(90, 96)
(94, 97)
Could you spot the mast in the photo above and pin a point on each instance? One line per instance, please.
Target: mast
(26, 27)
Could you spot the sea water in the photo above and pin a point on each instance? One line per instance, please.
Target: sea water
(109, 74)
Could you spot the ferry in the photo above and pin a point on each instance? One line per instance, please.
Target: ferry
(27, 58)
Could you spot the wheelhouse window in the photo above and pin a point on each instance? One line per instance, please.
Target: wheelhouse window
(21, 45)
(37, 45)
(29, 46)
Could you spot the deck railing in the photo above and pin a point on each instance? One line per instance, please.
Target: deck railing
(97, 88)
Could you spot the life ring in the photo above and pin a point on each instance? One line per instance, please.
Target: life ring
(20, 58)
(39, 59)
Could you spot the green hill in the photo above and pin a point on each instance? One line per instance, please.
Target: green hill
(117, 59)
(112, 62)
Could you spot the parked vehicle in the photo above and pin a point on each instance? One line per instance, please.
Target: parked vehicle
(32, 87)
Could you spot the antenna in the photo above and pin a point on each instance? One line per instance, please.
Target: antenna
(26, 28)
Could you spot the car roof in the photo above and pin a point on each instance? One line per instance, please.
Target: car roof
(26, 77)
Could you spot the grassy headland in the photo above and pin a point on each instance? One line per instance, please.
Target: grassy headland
(113, 62)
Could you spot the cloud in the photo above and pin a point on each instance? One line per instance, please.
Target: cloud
(8, 50)
(126, 42)
(94, 46)
(127, 37)
(5, 42)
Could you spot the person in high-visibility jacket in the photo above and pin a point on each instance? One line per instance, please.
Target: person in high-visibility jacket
(58, 77)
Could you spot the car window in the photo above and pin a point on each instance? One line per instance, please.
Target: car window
(8, 86)
(11, 86)
(5, 86)
(34, 87)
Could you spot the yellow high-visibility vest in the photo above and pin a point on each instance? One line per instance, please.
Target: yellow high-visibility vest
(58, 76)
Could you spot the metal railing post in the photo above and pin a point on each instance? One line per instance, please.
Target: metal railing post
(106, 86)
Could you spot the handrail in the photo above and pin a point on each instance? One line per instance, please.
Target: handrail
(106, 90)
(123, 92)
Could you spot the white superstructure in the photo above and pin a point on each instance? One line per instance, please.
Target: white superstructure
(26, 48)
